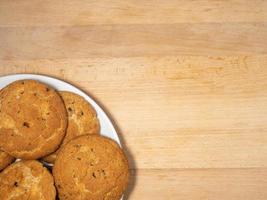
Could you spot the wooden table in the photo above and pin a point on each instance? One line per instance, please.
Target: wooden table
(185, 82)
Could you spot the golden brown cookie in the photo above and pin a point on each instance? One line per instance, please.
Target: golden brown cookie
(27, 180)
(5, 159)
(82, 119)
(33, 119)
(91, 167)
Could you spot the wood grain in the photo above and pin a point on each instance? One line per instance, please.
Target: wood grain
(182, 184)
(82, 12)
(185, 83)
(80, 42)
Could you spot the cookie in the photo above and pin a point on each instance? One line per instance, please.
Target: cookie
(5, 159)
(33, 119)
(82, 119)
(91, 167)
(27, 180)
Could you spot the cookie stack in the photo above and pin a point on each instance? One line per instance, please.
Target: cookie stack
(62, 129)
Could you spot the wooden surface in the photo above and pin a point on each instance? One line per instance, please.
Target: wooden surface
(185, 82)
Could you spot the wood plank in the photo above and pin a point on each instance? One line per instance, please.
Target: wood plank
(209, 184)
(79, 42)
(82, 12)
(175, 111)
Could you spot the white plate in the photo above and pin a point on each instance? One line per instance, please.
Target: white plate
(107, 129)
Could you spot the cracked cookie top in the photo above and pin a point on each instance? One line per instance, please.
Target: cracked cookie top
(91, 167)
(33, 119)
(27, 180)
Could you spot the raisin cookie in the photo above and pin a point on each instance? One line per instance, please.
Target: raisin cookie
(82, 119)
(5, 160)
(27, 180)
(91, 167)
(33, 119)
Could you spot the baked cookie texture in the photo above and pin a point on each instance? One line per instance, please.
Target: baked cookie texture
(82, 119)
(5, 160)
(33, 119)
(27, 180)
(91, 167)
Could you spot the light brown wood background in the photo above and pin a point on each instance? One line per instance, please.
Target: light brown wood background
(185, 82)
